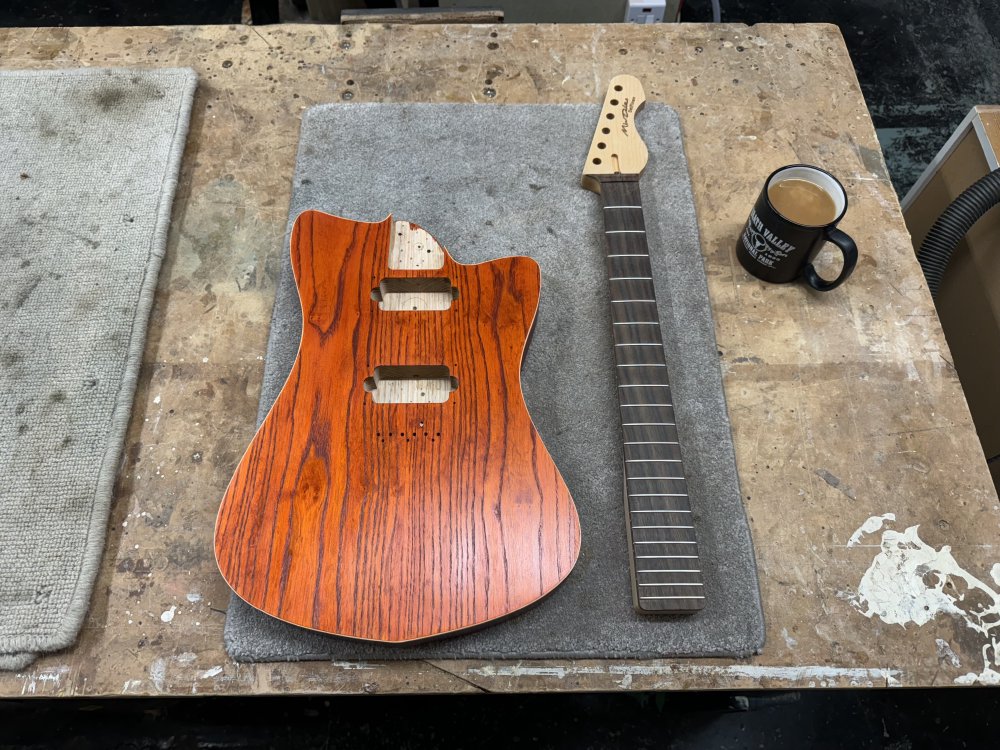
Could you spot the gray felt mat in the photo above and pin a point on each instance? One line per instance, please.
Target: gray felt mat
(88, 166)
(494, 180)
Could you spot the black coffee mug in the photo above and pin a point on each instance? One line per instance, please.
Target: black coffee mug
(779, 243)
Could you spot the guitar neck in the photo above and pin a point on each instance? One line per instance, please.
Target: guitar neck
(666, 572)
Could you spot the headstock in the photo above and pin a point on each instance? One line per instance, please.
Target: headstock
(617, 147)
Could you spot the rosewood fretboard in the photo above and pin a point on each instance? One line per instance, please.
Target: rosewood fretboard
(666, 571)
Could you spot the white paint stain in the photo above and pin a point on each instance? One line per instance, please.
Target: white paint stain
(158, 673)
(44, 680)
(826, 676)
(789, 641)
(988, 676)
(946, 653)
(894, 585)
(559, 673)
(351, 665)
(995, 573)
(911, 582)
(213, 672)
(870, 526)
(816, 675)
(168, 615)
(187, 657)
(131, 686)
(157, 399)
(194, 597)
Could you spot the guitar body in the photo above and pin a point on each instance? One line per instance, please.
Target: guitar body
(398, 521)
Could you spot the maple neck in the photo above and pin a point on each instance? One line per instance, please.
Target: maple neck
(664, 552)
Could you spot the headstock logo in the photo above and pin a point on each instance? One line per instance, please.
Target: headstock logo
(628, 107)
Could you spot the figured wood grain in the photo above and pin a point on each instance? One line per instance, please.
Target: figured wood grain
(397, 522)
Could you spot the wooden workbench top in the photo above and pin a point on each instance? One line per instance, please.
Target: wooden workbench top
(844, 406)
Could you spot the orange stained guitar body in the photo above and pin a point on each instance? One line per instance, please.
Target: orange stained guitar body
(398, 521)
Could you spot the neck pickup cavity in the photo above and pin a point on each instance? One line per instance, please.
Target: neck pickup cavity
(411, 384)
(420, 294)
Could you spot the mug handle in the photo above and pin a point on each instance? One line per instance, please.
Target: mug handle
(850, 252)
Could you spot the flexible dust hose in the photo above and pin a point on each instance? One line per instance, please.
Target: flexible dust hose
(953, 224)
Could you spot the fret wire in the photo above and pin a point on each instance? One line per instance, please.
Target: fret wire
(672, 570)
(607, 207)
(666, 557)
(631, 278)
(646, 510)
(637, 323)
(662, 527)
(671, 597)
(672, 583)
(633, 300)
(625, 231)
(653, 461)
(665, 542)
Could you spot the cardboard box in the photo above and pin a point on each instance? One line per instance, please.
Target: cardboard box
(969, 300)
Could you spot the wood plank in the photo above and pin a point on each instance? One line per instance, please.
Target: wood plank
(843, 407)
(421, 15)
